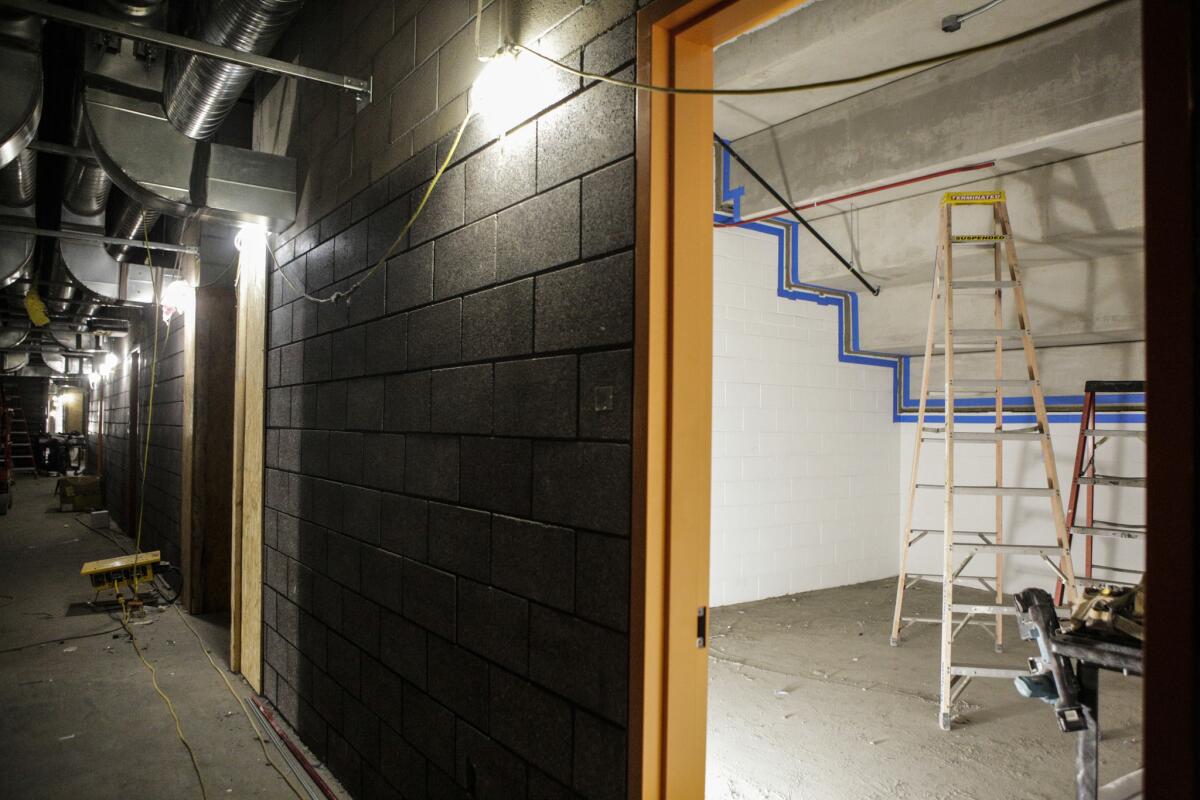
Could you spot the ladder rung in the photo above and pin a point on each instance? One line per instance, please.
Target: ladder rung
(1086, 581)
(1118, 569)
(967, 285)
(1021, 491)
(986, 671)
(990, 383)
(989, 333)
(1011, 549)
(1111, 480)
(996, 436)
(986, 239)
(956, 533)
(987, 608)
(1125, 532)
(1115, 433)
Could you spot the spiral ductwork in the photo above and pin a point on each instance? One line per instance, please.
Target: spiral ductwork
(87, 186)
(18, 180)
(128, 220)
(200, 92)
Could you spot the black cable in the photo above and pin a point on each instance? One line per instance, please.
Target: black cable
(791, 210)
(60, 640)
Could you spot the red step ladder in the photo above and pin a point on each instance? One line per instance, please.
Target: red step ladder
(1084, 474)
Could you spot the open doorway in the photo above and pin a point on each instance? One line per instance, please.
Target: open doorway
(1076, 209)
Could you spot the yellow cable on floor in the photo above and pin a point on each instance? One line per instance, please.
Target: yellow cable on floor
(165, 698)
(253, 725)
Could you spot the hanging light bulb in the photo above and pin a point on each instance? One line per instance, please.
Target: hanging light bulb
(510, 90)
(107, 364)
(178, 298)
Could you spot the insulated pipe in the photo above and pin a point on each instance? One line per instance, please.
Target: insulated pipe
(199, 92)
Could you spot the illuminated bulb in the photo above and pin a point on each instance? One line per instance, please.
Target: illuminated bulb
(510, 90)
(252, 236)
(178, 298)
(108, 364)
(93, 379)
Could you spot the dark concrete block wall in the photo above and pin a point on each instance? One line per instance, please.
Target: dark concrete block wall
(162, 487)
(448, 453)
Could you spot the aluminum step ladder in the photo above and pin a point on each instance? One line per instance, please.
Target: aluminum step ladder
(960, 547)
(1091, 437)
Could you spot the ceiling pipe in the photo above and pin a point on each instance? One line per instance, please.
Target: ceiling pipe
(128, 220)
(199, 92)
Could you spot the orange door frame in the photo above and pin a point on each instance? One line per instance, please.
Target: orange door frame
(673, 390)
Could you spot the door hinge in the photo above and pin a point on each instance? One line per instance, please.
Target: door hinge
(701, 626)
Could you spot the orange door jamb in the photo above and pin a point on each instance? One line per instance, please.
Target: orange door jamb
(673, 389)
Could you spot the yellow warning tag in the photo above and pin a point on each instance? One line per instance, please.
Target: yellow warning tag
(973, 198)
(35, 308)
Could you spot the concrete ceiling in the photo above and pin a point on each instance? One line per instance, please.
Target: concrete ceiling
(828, 39)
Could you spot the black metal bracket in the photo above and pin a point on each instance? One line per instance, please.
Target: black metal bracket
(791, 210)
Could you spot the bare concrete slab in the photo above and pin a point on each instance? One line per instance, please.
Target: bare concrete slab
(808, 701)
(81, 718)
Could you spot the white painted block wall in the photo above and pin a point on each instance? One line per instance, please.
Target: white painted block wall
(1027, 520)
(806, 457)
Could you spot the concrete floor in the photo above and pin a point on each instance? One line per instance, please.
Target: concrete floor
(81, 718)
(807, 701)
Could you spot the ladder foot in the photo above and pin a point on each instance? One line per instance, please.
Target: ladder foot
(999, 648)
(894, 641)
(944, 721)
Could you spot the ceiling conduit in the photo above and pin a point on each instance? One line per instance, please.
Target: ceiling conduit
(200, 92)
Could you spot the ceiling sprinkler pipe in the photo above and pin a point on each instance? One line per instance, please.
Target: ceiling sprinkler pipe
(199, 92)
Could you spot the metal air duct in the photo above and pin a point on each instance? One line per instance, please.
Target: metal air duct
(128, 220)
(200, 92)
(20, 113)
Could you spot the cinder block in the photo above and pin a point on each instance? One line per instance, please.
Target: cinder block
(498, 322)
(592, 129)
(348, 352)
(494, 624)
(387, 345)
(458, 680)
(582, 484)
(345, 457)
(534, 723)
(536, 397)
(365, 404)
(502, 174)
(383, 462)
(582, 661)
(608, 204)
(331, 405)
(281, 326)
(563, 321)
(342, 562)
(445, 209)
(360, 622)
(534, 560)
(382, 692)
(402, 647)
(602, 579)
(350, 251)
(369, 300)
(433, 335)
(401, 765)
(345, 663)
(410, 279)
(291, 364)
(429, 598)
(381, 577)
(462, 400)
(495, 474)
(436, 23)
(429, 726)
(312, 545)
(606, 395)
(539, 233)
(319, 267)
(611, 50)
(465, 259)
(407, 402)
(404, 526)
(431, 466)
(314, 453)
(460, 540)
(362, 730)
(600, 755)
(361, 513)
